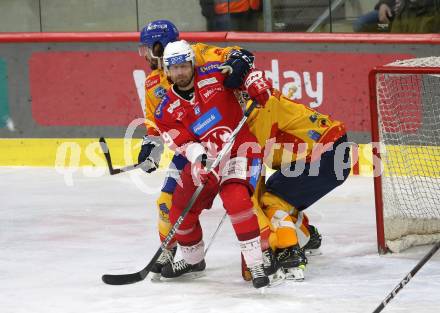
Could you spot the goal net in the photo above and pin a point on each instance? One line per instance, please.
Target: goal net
(405, 113)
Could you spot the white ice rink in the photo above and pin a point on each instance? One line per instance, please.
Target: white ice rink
(57, 240)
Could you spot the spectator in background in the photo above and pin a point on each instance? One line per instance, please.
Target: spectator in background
(403, 16)
(208, 12)
(370, 23)
(238, 15)
(411, 16)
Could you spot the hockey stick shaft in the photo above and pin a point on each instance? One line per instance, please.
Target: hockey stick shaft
(407, 278)
(108, 159)
(124, 279)
(211, 240)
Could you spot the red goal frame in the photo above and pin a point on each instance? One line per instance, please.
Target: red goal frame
(381, 242)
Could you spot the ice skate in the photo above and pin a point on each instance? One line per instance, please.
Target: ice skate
(312, 246)
(293, 261)
(272, 268)
(181, 268)
(259, 277)
(165, 258)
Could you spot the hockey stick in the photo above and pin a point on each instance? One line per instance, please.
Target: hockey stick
(114, 171)
(211, 240)
(407, 278)
(123, 279)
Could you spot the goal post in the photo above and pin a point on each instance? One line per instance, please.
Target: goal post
(405, 120)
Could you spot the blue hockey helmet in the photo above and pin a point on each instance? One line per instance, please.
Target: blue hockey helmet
(160, 31)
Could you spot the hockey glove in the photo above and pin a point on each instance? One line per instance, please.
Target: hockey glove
(151, 151)
(196, 154)
(258, 87)
(237, 66)
(200, 175)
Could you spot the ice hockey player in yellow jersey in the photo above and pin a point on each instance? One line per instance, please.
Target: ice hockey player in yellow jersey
(310, 155)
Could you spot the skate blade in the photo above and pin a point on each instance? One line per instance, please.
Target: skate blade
(186, 276)
(277, 278)
(155, 277)
(194, 275)
(312, 252)
(295, 274)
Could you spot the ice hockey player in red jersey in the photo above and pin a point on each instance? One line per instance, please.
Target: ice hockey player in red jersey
(196, 117)
(153, 39)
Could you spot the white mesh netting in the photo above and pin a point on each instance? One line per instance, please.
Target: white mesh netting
(418, 62)
(409, 126)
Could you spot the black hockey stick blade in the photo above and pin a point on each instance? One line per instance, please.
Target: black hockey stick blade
(125, 279)
(108, 159)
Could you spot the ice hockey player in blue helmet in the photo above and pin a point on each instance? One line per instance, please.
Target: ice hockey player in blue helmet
(153, 39)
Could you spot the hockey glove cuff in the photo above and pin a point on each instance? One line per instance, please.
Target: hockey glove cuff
(237, 66)
(258, 87)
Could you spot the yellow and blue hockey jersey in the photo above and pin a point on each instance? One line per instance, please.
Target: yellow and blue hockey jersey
(291, 131)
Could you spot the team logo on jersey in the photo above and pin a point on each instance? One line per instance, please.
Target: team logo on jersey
(314, 135)
(152, 81)
(208, 68)
(216, 138)
(164, 209)
(208, 92)
(159, 92)
(208, 81)
(173, 105)
(206, 122)
(159, 110)
(196, 110)
(179, 115)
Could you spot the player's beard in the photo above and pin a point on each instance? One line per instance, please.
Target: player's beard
(183, 82)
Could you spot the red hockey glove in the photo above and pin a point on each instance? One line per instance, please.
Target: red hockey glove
(258, 87)
(196, 154)
(201, 176)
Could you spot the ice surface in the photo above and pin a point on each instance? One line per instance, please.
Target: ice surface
(57, 240)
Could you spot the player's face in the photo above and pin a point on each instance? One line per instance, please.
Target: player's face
(182, 75)
(153, 55)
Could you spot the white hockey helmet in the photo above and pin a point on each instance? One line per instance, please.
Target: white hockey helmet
(178, 52)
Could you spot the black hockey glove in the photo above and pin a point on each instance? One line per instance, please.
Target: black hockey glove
(237, 66)
(151, 151)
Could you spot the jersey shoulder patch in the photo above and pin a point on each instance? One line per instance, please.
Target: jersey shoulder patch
(208, 68)
(152, 81)
(159, 92)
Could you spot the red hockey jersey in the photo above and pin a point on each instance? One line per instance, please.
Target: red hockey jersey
(209, 118)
